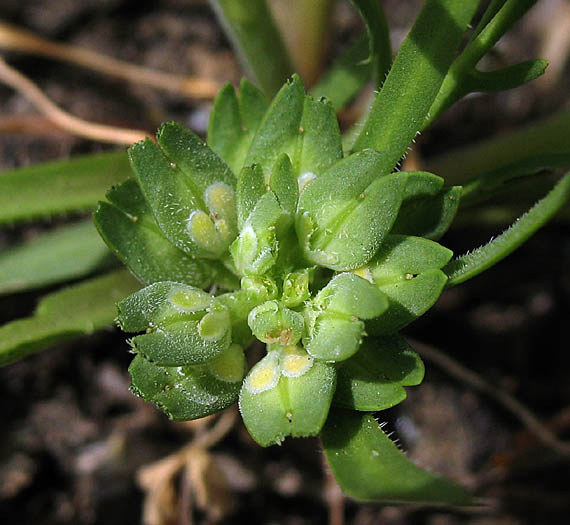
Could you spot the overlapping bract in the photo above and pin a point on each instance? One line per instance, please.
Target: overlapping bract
(301, 249)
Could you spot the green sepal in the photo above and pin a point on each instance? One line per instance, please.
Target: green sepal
(374, 378)
(279, 131)
(333, 325)
(160, 303)
(255, 250)
(303, 128)
(401, 255)
(130, 231)
(190, 392)
(271, 322)
(184, 325)
(320, 144)
(332, 211)
(296, 288)
(259, 288)
(408, 300)
(287, 393)
(407, 270)
(283, 183)
(349, 294)
(250, 188)
(369, 467)
(189, 189)
(332, 337)
(185, 342)
(234, 122)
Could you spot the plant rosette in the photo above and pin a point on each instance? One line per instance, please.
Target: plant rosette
(302, 248)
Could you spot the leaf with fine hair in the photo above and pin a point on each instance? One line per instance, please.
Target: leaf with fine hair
(77, 310)
(380, 48)
(234, 122)
(369, 467)
(128, 227)
(399, 109)
(66, 253)
(374, 378)
(473, 263)
(60, 187)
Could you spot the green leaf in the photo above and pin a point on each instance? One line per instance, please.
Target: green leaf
(471, 264)
(462, 76)
(406, 269)
(408, 299)
(129, 229)
(379, 36)
(507, 78)
(279, 130)
(545, 141)
(375, 377)
(190, 392)
(290, 391)
(414, 81)
(502, 180)
(234, 122)
(189, 189)
(347, 76)
(331, 212)
(299, 126)
(428, 216)
(80, 309)
(254, 34)
(369, 467)
(320, 144)
(57, 188)
(66, 253)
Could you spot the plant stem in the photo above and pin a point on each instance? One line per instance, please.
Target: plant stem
(548, 136)
(424, 58)
(255, 36)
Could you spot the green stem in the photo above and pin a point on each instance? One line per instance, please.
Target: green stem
(424, 58)
(458, 81)
(256, 38)
(473, 263)
(546, 137)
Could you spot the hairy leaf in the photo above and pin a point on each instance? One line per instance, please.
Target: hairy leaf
(190, 392)
(471, 264)
(80, 309)
(60, 187)
(66, 253)
(375, 377)
(369, 467)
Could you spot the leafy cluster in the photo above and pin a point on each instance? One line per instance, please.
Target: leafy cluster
(321, 256)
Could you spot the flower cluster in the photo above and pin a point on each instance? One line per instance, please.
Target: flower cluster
(316, 254)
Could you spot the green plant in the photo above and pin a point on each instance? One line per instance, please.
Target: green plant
(309, 242)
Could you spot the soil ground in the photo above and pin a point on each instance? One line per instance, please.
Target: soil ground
(76, 446)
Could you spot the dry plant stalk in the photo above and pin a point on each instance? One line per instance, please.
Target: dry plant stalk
(62, 119)
(15, 39)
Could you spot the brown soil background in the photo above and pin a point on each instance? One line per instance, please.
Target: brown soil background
(74, 438)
